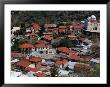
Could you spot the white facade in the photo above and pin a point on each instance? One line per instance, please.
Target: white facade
(50, 25)
(15, 29)
(95, 60)
(93, 26)
(42, 49)
(51, 51)
(28, 30)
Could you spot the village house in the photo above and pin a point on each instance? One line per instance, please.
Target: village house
(55, 30)
(26, 48)
(72, 36)
(29, 30)
(94, 61)
(92, 24)
(17, 55)
(41, 48)
(48, 37)
(35, 60)
(22, 64)
(63, 50)
(52, 51)
(49, 27)
(35, 28)
(74, 57)
(63, 29)
(61, 63)
(14, 30)
(76, 28)
(40, 54)
(31, 35)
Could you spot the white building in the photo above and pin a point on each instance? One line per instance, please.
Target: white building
(95, 61)
(51, 51)
(50, 25)
(15, 29)
(93, 24)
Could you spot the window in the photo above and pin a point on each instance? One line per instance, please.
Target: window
(95, 28)
(50, 52)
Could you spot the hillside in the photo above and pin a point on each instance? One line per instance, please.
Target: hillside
(42, 17)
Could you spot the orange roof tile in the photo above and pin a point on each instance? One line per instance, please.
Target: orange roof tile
(71, 51)
(75, 57)
(32, 34)
(35, 26)
(39, 74)
(32, 69)
(62, 26)
(48, 37)
(61, 30)
(25, 45)
(61, 62)
(42, 42)
(37, 68)
(96, 21)
(63, 49)
(76, 26)
(40, 66)
(40, 45)
(35, 59)
(23, 63)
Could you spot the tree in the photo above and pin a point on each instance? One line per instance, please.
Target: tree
(54, 71)
(15, 47)
(95, 71)
(66, 43)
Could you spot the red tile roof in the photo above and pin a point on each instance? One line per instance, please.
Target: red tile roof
(66, 50)
(42, 42)
(35, 59)
(48, 37)
(61, 30)
(16, 54)
(75, 57)
(39, 74)
(40, 66)
(71, 51)
(62, 26)
(23, 63)
(37, 68)
(63, 49)
(95, 21)
(32, 69)
(35, 26)
(26, 45)
(32, 34)
(40, 46)
(61, 62)
(76, 26)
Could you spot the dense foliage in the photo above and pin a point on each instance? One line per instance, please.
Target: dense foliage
(21, 18)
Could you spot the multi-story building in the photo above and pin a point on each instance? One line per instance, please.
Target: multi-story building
(91, 24)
